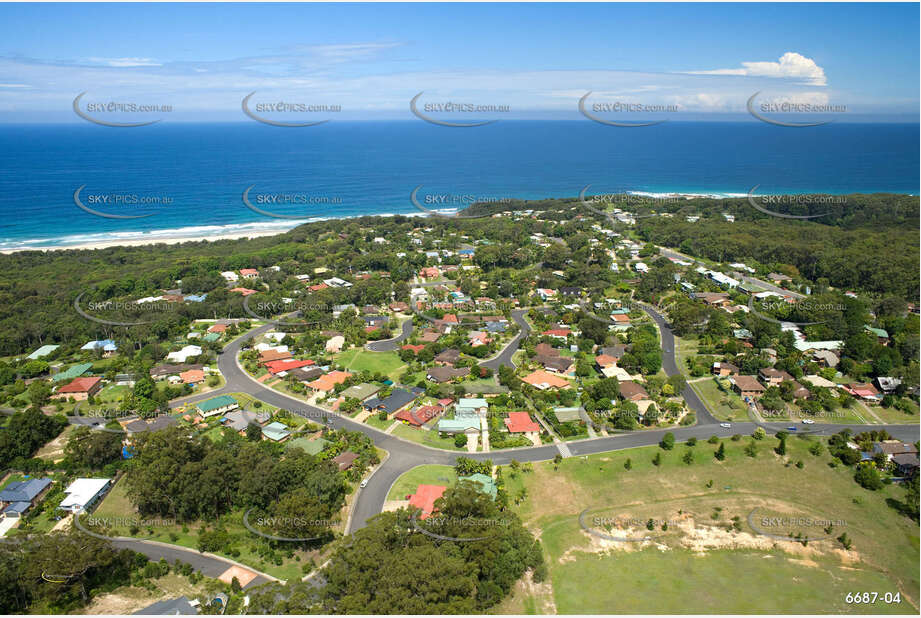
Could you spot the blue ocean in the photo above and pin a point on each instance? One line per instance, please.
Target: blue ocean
(190, 178)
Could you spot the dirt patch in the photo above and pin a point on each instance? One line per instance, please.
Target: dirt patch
(542, 593)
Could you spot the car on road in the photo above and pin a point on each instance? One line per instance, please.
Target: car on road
(364, 483)
(808, 421)
(725, 425)
(791, 428)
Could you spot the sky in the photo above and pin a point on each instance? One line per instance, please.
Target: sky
(536, 60)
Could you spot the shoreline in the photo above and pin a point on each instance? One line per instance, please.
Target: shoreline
(252, 229)
(139, 242)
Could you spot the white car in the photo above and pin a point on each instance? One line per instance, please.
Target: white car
(725, 425)
(808, 421)
(364, 483)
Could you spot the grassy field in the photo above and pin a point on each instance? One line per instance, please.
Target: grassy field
(421, 475)
(705, 560)
(428, 438)
(724, 406)
(359, 359)
(892, 415)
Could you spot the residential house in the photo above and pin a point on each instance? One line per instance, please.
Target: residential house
(83, 493)
(444, 374)
(543, 380)
(864, 391)
(398, 399)
(361, 392)
(521, 422)
(555, 364)
(275, 432)
(773, 377)
(448, 357)
(725, 369)
(631, 391)
(345, 460)
(424, 499)
(326, 383)
(545, 349)
(107, 346)
(183, 355)
(216, 405)
(80, 389)
(19, 496)
(748, 387)
(419, 416)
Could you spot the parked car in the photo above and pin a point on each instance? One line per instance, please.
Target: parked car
(725, 425)
(808, 421)
(364, 483)
(791, 428)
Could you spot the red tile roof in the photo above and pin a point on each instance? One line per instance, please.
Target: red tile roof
(80, 385)
(287, 364)
(425, 497)
(419, 416)
(521, 422)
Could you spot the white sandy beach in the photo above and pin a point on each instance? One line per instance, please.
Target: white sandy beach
(154, 240)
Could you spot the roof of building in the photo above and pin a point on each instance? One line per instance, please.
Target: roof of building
(458, 425)
(425, 497)
(345, 460)
(45, 350)
(216, 402)
(471, 403)
(73, 372)
(521, 422)
(178, 606)
(397, 400)
(311, 447)
(287, 364)
(82, 491)
(80, 385)
(487, 483)
(632, 390)
(451, 355)
(420, 415)
(557, 363)
(446, 374)
(748, 383)
(362, 391)
(326, 382)
(24, 491)
(275, 431)
(542, 379)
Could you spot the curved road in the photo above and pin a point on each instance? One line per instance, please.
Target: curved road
(388, 345)
(405, 455)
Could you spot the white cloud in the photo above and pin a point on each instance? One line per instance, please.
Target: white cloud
(125, 62)
(790, 65)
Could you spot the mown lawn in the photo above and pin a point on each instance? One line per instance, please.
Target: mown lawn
(359, 359)
(428, 438)
(422, 475)
(699, 564)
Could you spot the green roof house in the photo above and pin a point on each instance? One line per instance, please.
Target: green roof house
(45, 350)
(217, 405)
(312, 447)
(486, 483)
(74, 372)
(275, 431)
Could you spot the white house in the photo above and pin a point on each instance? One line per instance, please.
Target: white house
(83, 493)
(230, 276)
(181, 356)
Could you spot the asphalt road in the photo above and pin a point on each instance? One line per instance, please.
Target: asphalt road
(405, 455)
(505, 356)
(764, 284)
(388, 345)
(670, 365)
(207, 564)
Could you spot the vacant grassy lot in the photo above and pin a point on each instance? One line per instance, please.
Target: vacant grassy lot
(359, 359)
(707, 548)
(724, 406)
(421, 475)
(428, 438)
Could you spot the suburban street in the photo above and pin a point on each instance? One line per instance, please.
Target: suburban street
(405, 455)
